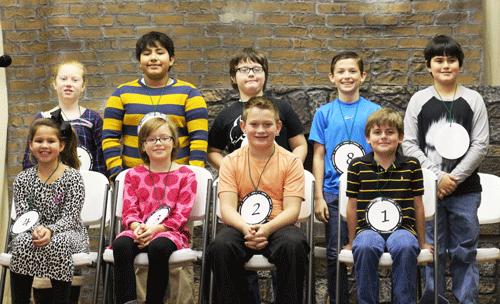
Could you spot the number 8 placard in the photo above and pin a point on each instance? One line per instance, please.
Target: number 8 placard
(256, 207)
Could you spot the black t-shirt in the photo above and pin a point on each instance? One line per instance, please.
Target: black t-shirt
(226, 133)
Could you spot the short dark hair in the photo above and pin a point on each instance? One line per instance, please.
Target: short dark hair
(263, 103)
(245, 55)
(347, 55)
(151, 39)
(443, 45)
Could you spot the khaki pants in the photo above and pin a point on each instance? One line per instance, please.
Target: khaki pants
(181, 282)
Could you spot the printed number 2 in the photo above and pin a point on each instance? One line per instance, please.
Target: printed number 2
(385, 216)
(256, 209)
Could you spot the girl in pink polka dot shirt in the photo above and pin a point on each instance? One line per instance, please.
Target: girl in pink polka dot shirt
(157, 200)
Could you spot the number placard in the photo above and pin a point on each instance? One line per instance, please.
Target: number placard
(344, 153)
(256, 207)
(383, 215)
(452, 141)
(157, 217)
(85, 158)
(25, 222)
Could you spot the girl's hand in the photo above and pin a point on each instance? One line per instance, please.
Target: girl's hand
(143, 235)
(41, 236)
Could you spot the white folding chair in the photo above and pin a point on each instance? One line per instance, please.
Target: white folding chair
(93, 212)
(489, 213)
(425, 256)
(258, 261)
(182, 257)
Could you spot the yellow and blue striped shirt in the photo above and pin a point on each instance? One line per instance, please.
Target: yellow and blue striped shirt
(180, 101)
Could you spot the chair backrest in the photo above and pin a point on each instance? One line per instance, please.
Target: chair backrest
(489, 211)
(429, 198)
(96, 192)
(306, 206)
(204, 181)
(430, 193)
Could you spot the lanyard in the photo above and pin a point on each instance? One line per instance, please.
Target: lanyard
(33, 196)
(450, 110)
(155, 107)
(165, 190)
(349, 133)
(250, 170)
(386, 182)
(66, 116)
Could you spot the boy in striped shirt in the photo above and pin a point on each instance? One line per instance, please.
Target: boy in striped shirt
(387, 178)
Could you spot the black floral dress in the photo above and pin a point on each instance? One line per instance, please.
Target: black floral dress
(59, 205)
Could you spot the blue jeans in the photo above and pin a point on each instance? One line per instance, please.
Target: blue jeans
(458, 234)
(332, 202)
(367, 248)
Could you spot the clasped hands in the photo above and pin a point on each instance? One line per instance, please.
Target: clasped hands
(41, 236)
(143, 235)
(256, 236)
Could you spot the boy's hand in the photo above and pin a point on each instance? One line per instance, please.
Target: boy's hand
(347, 247)
(258, 238)
(447, 185)
(427, 246)
(321, 211)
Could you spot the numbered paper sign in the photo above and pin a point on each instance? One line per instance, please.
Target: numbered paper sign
(383, 215)
(157, 217)
(452, 141)
(85, 158)
(344, 153)
(25, 222)
(256, 207)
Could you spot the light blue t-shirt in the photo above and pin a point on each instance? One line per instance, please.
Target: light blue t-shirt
(331, 125)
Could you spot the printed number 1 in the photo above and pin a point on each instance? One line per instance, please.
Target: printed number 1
(255, 211)
(385, 216)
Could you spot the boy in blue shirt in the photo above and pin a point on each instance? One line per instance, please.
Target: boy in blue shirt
(385, 177)
(447, 131)
(337, 133)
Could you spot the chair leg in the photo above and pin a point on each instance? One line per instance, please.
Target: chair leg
(2, 283)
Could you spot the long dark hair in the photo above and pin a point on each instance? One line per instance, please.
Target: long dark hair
(65, 133)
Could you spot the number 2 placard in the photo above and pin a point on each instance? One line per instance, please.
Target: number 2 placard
(256, 207)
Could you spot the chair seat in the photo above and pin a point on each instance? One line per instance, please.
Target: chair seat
(179, 258)
(320, 253)
(487, 255)
(385, 261)
(259, 262)
(79, 259)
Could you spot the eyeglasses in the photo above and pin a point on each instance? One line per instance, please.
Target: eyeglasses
(255, 70)
(163, 140)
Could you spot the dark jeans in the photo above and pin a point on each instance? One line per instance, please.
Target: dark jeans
(227, 254)
(20, 285)
(331, 235)
(159, 252)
